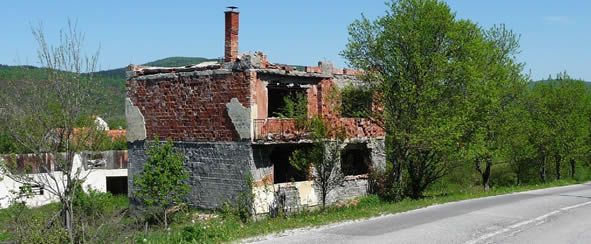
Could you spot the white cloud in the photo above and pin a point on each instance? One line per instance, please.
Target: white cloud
(557, 19)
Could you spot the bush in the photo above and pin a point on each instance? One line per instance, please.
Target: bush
(503, 175)
(382, 185)
(194, 232)
(35, 230)
(25, 225)
(93, 203)
(161, 183)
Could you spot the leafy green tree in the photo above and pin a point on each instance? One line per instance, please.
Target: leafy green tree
(517, 147)
(420, 57)
(561, 109)
(161, 182)
(295, 106)
(490, 98)
(7, 145)
(323, 157)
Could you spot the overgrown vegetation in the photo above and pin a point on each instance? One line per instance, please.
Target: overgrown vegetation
(323, 157)
(161, 185)
(295, 106)
(356, 102)
(101, 217)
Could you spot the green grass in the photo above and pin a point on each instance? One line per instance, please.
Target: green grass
(225, 229)
(105, 203)
(229, 228)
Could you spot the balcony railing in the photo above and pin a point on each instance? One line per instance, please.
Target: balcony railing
(276, 129)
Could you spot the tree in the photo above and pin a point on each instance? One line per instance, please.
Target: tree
(420, 58)
(561, 109)
(323, 157)
(43, 118)
(490, 97)
(161, 182)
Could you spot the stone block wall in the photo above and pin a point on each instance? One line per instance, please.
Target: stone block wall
(351, 188)
(217, 171)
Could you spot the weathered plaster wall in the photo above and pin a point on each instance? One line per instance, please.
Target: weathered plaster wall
(302, 194)
(136, 125)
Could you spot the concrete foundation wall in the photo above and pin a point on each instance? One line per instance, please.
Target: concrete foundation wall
(217, 171)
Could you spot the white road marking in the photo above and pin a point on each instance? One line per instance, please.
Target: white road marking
(517, 225)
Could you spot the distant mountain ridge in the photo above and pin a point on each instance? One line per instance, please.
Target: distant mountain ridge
(111, 83)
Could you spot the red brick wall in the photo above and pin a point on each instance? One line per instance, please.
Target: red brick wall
(190, 108)
(326, 103)
(259, 96)
(321, 101)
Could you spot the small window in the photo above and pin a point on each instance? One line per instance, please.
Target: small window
(117, 185)
(356, 102)
(287, 102)
(32, 189)
(355, 159)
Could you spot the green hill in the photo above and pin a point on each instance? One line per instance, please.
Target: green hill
(111, 92)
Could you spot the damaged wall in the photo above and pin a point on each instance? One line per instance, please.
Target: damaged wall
(302, 194)
(191, 106)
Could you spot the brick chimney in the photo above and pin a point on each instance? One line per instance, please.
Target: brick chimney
(231, 44)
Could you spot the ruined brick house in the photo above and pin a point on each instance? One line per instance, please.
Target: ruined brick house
(222, 117)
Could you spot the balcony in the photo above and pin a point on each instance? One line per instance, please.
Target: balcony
(277, 130)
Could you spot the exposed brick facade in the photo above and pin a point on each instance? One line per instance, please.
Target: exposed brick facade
(191, 107)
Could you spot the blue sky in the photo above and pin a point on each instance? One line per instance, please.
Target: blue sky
(555, 35)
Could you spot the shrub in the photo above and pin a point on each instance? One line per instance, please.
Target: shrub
(381, 184)
(161, 183)
(503, 175)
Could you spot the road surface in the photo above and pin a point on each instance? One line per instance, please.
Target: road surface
(554, 215)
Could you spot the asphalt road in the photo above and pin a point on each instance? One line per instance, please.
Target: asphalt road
(554, 215)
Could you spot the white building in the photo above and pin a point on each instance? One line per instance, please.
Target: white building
(104, 171)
